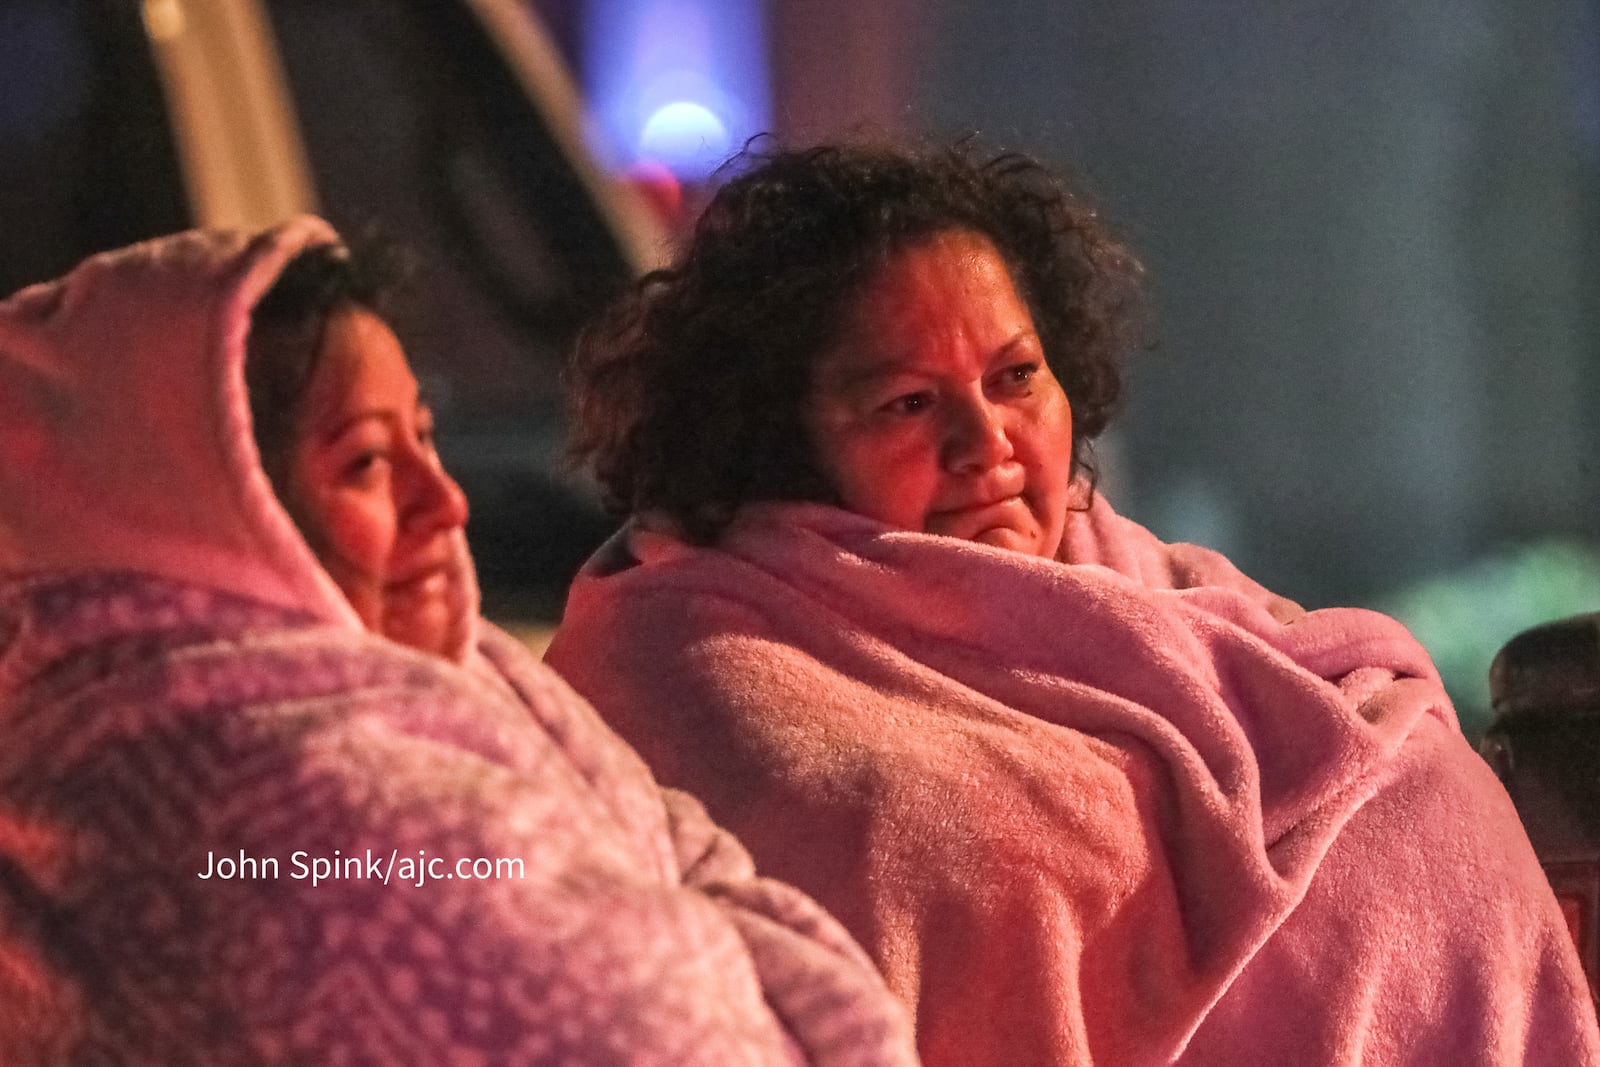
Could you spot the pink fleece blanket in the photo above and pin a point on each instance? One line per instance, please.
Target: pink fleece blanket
(1131, 810)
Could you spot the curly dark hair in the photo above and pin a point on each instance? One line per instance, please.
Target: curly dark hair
(689, 394)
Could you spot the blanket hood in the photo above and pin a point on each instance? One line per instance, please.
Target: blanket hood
(125, 433)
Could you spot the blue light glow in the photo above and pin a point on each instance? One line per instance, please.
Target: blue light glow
(682, 83)
(681, 134)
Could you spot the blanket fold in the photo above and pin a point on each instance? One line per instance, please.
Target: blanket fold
(1125, 808)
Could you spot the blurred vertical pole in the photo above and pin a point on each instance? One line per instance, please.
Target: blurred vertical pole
(563, 21)
(842, 66)
(1591, 279)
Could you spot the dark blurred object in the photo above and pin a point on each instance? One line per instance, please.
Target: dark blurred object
(1545, 746)
(87, 161)
(1550, 668)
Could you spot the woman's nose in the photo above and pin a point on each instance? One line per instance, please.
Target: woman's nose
(437, 502)
(975, 437)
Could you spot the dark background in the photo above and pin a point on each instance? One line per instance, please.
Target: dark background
(1372, 230)
(1373, 234)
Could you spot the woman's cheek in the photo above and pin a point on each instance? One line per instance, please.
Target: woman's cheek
(362, 528)
(894, 480)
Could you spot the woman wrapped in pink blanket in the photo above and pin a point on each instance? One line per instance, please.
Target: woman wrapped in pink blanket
(270, 791)
(1085, 796)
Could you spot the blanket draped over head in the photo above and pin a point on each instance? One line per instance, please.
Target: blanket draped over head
(1127, 809)
(236, 828)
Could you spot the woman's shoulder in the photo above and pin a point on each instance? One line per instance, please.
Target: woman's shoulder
(101, 665)
(648, 580)
(1096, 534)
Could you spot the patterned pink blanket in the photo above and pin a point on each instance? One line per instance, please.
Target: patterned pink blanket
(231, 836)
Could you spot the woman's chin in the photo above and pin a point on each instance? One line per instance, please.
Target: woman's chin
(1016, 540)
(1008, 524)
(434, 626)
(433, 635)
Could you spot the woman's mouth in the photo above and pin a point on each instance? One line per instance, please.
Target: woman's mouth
(430, 581)
(971, 521)
(977, 507)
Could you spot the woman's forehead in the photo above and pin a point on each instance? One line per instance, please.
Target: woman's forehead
(361, 367)
(934, 271)
(952, 289)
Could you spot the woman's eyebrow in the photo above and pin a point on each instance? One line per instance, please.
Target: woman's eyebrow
(1024, 338)
(878, 369)
(388, 416)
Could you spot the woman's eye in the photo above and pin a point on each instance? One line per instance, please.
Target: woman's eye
(365, 466)
(909, 404)
(1018, 378)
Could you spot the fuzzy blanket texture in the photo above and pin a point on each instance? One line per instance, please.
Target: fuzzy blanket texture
(1125, 808)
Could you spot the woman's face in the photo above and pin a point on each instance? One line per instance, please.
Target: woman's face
(366, 488)
(936, 410)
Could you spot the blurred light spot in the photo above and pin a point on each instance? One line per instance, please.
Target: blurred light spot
(163, 19)
(680, 82)
(684, 136)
